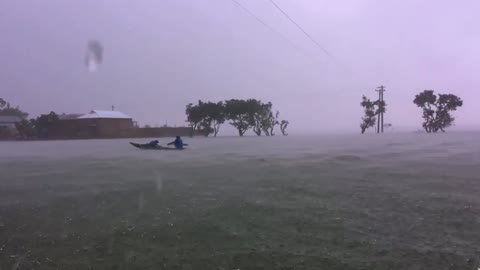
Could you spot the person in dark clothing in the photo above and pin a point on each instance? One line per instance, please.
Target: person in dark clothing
(153, 143)
(178, 143)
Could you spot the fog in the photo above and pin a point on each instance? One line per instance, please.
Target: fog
(161, 55)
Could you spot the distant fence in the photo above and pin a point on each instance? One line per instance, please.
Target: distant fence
(116, 128)
(104, 129)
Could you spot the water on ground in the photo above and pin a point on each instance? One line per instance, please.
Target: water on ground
(395, 201)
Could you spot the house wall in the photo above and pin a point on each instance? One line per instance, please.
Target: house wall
(116, 128)
(113, 128)
(93, 128)
(8, 132)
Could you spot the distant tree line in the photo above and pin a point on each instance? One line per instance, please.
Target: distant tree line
(244, 115)
(42, 127)
(252, 114)
(436, 110)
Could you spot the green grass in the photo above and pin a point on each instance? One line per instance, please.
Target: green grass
(255, 215)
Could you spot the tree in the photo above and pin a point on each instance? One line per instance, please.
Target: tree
(369, 119)
(283, 127)
(372, 110)
(269, 123)
(43, 127)
(46, 124)
(436, 110)
(214, 116)
(194, 115)
(206, 115)
(262, 112)
(26, 129)
(241, 114)
(283, 124)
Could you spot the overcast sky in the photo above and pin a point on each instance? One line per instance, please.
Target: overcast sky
(160, 55)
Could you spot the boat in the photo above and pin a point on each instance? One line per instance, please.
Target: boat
(152, 147)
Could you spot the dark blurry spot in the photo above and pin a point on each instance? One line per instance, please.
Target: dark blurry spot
(94, 55)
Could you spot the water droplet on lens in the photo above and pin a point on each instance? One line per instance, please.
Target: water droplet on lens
(94, 55)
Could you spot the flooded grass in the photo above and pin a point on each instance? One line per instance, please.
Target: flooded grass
(331, 210)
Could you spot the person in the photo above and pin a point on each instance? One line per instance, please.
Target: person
(178, 143)
(153, 143)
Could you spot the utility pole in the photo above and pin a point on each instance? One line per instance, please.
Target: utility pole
(380, 91)
(113, 108)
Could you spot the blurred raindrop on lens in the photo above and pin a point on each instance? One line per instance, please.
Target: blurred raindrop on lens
(94, 56)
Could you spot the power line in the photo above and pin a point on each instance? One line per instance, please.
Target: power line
(299, 27)
(344, 67)
(270, 28)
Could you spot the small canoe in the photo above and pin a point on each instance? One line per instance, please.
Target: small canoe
(150, 147)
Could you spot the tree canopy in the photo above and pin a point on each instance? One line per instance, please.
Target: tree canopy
(241, 114)
(436, 110)
(206, 115)
(42, 127)
(371, 109)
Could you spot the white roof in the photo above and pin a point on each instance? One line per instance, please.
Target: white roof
(10, 119)
(105, 114)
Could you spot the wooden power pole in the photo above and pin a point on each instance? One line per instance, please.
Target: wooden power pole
(380, 91)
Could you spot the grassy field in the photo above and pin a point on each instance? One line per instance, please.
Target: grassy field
(335, 212)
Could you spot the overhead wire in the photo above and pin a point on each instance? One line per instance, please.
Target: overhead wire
(301, 29)
(271, 28)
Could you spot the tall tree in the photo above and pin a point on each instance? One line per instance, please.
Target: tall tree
(42, 127)
(372, 110)
(46, 124)
(262, 112)
(194, 114)
(214, 116)
(437, 109)
(241, 114)
(282, 123)
(26, 129)
(206, 115)
(283, 127)
(369, 119)
(269, 123)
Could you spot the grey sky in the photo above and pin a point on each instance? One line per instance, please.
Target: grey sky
(161, 55)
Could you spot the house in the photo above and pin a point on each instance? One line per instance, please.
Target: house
(96, 124)
(97, 114)
(113, 124)
(69, 116)
(7, 126)
(9, 121)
